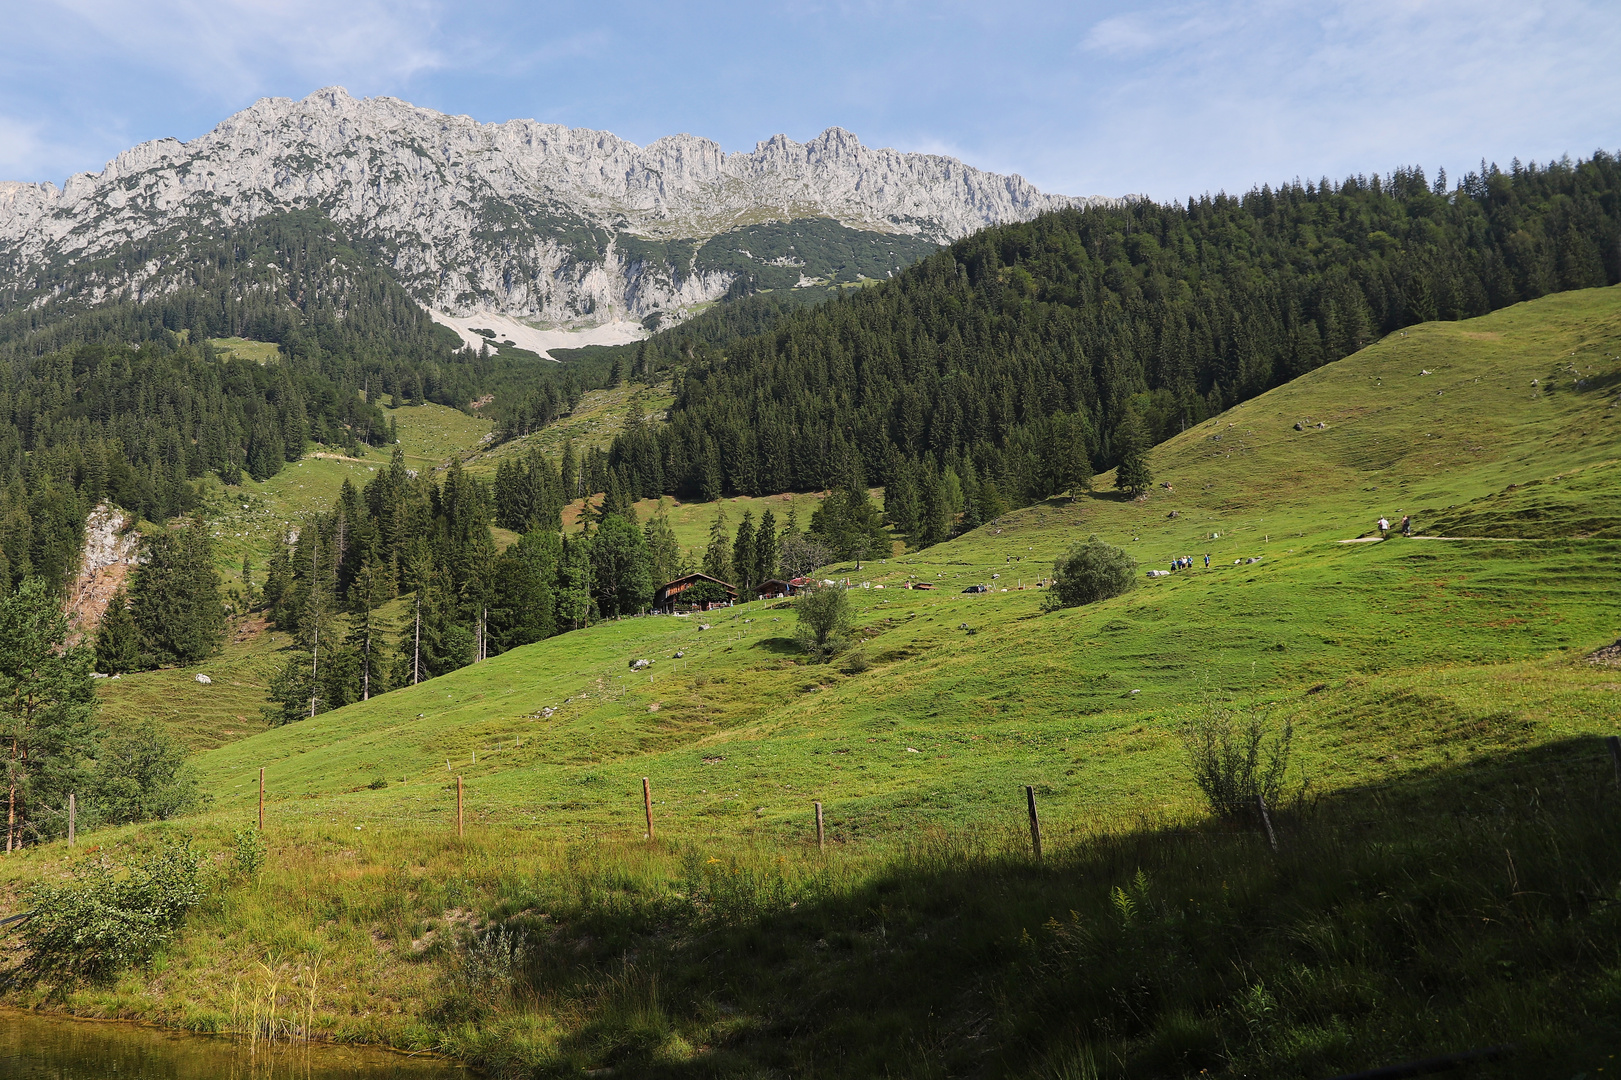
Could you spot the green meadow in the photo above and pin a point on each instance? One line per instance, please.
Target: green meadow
(592, 425)
(250, 518)
(1446, 876)
(261, 352)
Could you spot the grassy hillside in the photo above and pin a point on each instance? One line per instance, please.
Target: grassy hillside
(1370, 618)
(249, 520)
(691, 521)
(593, 424)
(1449, 884)
(263, 352)
(252, 517)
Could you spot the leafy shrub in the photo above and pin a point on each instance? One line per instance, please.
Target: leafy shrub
(1091, 572)
(249, 846)
(824, 621)
(857, 663)
(378, 783)
(1236, 756)
(110, 918)
(140, 775)
(494, 959)
(705, 592)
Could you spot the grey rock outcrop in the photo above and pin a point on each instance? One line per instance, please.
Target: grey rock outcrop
(537, 221)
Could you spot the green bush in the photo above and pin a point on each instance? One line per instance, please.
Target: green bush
(705, 592)
(1236, 756)
(140, 775)
(249, 845)
(1091, 572)
(109, 917)
(824, 621)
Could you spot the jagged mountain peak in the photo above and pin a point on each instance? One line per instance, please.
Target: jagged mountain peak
(537, 221)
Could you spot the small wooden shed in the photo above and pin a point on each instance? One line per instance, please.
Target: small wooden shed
(774, 589)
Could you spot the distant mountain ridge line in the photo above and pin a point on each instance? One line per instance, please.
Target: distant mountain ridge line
(520, 217)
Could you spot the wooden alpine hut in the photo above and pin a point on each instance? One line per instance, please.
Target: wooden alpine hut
(774, 589)
(703, 593)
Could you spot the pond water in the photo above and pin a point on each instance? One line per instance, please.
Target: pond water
(50, 1048)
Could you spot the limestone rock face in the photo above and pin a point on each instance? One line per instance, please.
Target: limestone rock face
(111, 547)
(540, 222)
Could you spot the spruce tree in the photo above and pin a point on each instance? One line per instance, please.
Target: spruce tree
(618, 499)
(663, 552)
(903, 509)
(717, 561)
(118, 641)
(175, 596)
(937, 518)
(574, 582)
(523, 607)
(47, 711)
(1131, 441)
(570, 472)
(849, 523)
(743, 557)
(366, 593)
(512, 509)
(765, 549)
(619, 569)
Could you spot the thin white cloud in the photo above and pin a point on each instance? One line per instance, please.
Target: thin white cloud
(33, 148)
(1122, 34)
(233, 47)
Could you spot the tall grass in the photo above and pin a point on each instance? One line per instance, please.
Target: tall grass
(1455, 909)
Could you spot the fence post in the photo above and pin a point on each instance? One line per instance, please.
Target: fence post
(1035, 822)
(1614, 743)
(73, 808)
(1266, 819)
(647, 805)
(261, 799)
(458, 806)
(818, 826)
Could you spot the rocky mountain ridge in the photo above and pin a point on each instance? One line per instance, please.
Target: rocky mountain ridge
(549, 224)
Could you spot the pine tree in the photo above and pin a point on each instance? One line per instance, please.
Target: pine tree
(765, 549)
(523, 607)
(47, 710)
(1131, 441)
(717, 562)
(743, 557)
(175, 596)
(663, 551)
(118, 642)
(619, 570)
(570, 472)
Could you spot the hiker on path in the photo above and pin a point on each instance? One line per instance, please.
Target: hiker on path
(1207, 560)
(1384, 527)
(1407, 525)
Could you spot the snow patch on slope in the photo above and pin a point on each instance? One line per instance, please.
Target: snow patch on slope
(524, 336)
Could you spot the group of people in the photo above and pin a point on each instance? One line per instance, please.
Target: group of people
(1406, 526)
(1186, 562)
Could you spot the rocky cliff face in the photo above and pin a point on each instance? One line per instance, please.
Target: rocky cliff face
(111, 546)
(536, 221)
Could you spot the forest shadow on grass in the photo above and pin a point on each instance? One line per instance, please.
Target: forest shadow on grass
(1446, 911)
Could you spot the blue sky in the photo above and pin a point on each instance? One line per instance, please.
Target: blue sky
(1167, 99)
